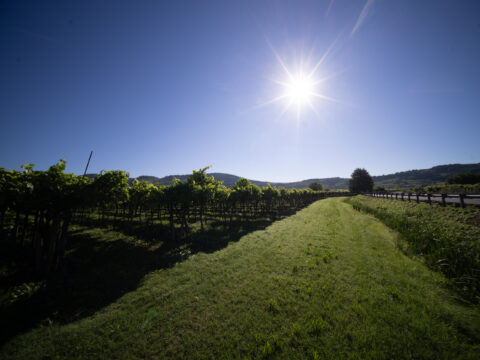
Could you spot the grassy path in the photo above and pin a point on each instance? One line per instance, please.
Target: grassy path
(327, 282)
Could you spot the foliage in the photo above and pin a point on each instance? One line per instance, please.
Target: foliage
(316, 186)
(111, 187)
(203, 188)
(36, 207)
(360, 181)
(50, 197)
(228, 180)
(405, 179)
(445, 237)
(464, 179)
(424, 177)
(451, 189)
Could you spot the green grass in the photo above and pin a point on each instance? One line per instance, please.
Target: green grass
(447, 238)
(327, 282)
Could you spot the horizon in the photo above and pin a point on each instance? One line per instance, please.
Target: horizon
(275, 90)
(293, 181)
(254, 179)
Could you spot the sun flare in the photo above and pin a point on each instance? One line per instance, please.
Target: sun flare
(300, 90)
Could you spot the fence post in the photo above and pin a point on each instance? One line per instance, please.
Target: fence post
(396, 196)
(402, 194)
(417, 196)
(462, 202)
(429, 196)
(409, 194)
(443, 199)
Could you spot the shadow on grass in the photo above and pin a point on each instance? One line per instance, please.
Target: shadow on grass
(103, 267)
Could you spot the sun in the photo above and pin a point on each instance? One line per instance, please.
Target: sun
(300, 90)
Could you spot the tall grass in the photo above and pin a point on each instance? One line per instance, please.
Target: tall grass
(443, 236)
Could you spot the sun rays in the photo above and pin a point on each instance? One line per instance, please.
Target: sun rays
(300, 84)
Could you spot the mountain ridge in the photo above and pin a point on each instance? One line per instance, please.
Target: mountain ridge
(410, 178)
(403, 179)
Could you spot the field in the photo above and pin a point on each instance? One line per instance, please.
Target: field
(327, 282)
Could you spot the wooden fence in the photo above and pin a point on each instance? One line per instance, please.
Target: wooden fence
(461, 199)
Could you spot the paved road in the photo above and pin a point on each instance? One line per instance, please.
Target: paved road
(451, 198)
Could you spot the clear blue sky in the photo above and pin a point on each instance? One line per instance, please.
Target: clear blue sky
(164, 87)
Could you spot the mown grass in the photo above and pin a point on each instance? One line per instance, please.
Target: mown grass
(447, 238)
(103, 265)
(327, 282)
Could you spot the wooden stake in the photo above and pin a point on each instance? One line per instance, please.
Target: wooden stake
(88, 162)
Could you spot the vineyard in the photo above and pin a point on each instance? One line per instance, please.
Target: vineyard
(37, 207)
(199, 270)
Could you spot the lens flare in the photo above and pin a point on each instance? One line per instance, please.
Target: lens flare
(300, 89)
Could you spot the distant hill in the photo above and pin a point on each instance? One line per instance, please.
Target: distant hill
(425, 177)
(404, 179)
(229, 180)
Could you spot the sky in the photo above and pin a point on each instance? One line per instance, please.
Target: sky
(165, 87)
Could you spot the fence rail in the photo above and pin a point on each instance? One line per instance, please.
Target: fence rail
(461, 199)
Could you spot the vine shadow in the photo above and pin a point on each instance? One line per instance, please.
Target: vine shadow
(101, 271)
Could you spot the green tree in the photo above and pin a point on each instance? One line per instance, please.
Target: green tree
(361, 181)
(464, 179)
(316, 186)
